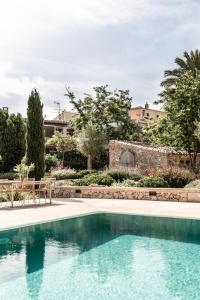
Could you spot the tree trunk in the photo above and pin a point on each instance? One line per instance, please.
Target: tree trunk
(63, 158)
(89, 162)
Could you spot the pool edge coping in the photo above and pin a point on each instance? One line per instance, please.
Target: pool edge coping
(99, 212)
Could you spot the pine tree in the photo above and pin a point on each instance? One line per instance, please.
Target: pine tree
(35, 134)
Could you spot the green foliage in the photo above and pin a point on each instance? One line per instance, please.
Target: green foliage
(161, 133)
(125, 183)
(189, 62)
(63, 143)
(152, 181)
(75, 160)
(51, 161)
(9, 175)
(99, 179)
(175, 177)
(79, 182)
(95, 179)
(182, 107)
(64, 174)
(23, 170)
(91, 143)
(108, 111)
(82, 173)
(35, 134)
(12, 140)
(121, 175)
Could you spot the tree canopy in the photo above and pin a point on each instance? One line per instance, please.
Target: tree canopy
(12, 140)
(109, 111)
(189, 62)
(182, 105)
(91, 142)
(63, 143)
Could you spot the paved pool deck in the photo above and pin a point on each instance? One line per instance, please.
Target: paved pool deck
(66, 208)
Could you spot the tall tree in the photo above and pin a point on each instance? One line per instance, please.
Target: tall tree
(12, 140)
(108, 111)
(91, 143)
(189, 62)
(183, 112)
(35, 134)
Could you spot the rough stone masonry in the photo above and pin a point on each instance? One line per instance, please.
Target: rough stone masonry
(130, 155)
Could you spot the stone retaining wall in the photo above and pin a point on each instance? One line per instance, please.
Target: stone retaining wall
(157, 194)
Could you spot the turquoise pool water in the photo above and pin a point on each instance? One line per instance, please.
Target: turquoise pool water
(100, 257)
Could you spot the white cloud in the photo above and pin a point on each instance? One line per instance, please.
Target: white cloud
(125, 43)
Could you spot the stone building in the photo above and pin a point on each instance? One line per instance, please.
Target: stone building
(145, 115)
(129, 155)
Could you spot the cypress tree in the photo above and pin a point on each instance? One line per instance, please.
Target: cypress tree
(35, 134)
(12, 140)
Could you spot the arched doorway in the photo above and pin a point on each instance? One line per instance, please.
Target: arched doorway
(127, 159)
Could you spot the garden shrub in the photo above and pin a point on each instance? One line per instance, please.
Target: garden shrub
(175, 177)
(75, 160)
(51, 161)
(64, 174)
(82, 173)
(9, 175)
(65, 182)
(193, 184)
(79, 182)
(125, 183)
(122, 174)
(98, 179)
(152, 181)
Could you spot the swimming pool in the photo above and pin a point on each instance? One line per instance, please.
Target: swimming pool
(102, 256)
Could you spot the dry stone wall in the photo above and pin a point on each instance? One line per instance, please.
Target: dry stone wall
(146, 157)
(156, 194)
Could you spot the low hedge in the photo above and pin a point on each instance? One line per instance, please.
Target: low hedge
(152, 181)
(9, 175)
(125, 183)
(64, 174)
(95, 179)
(121, 175)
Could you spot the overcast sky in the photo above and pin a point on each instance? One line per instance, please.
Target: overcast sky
(126, 44)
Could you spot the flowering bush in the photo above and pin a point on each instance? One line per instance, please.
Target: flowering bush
(51, 161)
(58, 167)
(174, 176)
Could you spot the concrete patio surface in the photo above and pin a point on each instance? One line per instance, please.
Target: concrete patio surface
(64, 208)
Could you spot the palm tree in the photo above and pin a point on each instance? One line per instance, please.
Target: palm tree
(189, 62)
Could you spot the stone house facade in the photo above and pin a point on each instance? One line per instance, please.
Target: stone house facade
(145, 115)
(130, 155)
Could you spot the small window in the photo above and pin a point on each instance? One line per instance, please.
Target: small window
(157, 116)
(187, 162)
(147, 114)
